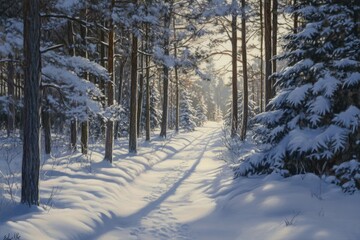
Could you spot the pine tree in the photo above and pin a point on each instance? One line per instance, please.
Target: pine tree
(187, 112)
(313, 124)
(201, 112)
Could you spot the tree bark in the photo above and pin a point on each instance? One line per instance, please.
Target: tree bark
(295, 18)
(109, 142)
(47, 130)
(73, 123)
(141, 90)
(274, 38)
(234, 122)
(268, 68)
(147, 76)
(261, 58)
(177, 92)
(11, 96)
(120, 90)
(245, 76)
(133, 96)
(84, 123)
(32, 109)
(164, 118)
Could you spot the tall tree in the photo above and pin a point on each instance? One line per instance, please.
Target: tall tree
(133, 96)
(147, 77)
(72, 52)
(177, 90)
(109, 142)
(245, 75)
(84, 54)
(234, 122)
(166, 75)
(11, 96)
(267, 39)
(32, 96)
(274, 37)
(261, 56)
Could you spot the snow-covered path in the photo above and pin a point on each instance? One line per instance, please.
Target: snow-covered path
(171, 194)
(156, 194)
(178, 188)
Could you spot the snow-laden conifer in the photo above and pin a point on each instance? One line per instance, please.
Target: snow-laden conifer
(201, 112)
(187, 112)
(312, 124)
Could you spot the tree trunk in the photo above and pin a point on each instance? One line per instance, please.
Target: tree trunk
(47, 130)
(234, 122)
(268, 69)
(120, 89)
(147, 66)
(85, 123)
(274, 39)
(261, 57)
(102, 81)
(295, 18)
(11, 96)
(73, 123)
(141, 90)
(133, 97)
(245, 77)
(177, 94)
(164, 118)
(32, 109)
(109, 142)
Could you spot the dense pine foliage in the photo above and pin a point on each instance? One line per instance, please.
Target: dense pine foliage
(312, 124)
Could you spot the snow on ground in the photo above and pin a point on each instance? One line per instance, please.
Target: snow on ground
(174, 189)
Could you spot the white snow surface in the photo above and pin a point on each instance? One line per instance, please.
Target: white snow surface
(179, 188)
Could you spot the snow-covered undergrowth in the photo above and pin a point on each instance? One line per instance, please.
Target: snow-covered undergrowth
(179, 188)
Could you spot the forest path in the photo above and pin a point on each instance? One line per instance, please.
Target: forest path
(163, 201)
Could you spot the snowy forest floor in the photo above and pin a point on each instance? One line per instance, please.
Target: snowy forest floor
(178, 188)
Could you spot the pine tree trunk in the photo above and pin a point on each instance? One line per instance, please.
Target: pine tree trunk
(73, 123)
(120, 90)
(274, 39)
(73, 134)
(133, 97)
(47, 130)
(261, 57)
(234, 114)
(32, 96)
(164, 118)
(147, 66)
(296, 20)
(102, 82)
(177, 92)
(147, 125)
(268, 68)
(141, 91)
(11, 95)
(109, 142)
(85, 123)
(245, 76)
(84, 137)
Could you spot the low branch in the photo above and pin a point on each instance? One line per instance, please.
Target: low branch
(52, 48)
